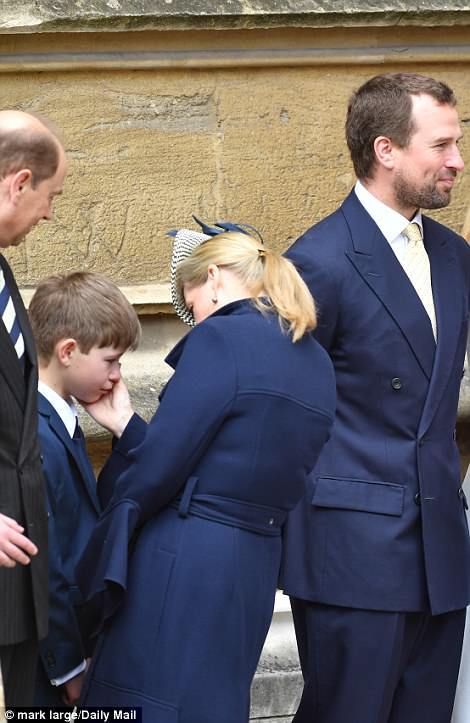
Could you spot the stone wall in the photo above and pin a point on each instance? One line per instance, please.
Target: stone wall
(225, 108)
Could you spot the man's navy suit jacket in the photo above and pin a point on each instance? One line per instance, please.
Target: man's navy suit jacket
(383, 525)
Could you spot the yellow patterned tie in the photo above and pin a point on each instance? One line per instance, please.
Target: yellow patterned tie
(415, 262)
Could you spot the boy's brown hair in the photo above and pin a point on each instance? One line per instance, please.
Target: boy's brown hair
(84, 306)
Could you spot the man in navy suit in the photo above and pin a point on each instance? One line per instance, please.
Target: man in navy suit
(377, 556)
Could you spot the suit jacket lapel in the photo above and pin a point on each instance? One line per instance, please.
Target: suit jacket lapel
(24, 383)
(9, 365)
(376, 262)
(450, 313)
(55, 423)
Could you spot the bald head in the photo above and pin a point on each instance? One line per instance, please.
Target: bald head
(27, 141)
(32, 172)
(17, 119)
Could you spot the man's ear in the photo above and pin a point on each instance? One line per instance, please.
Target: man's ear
(20, 181)
(65, 350)
(384, 151)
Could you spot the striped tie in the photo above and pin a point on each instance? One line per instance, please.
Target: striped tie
(7, 312)
(415, 262)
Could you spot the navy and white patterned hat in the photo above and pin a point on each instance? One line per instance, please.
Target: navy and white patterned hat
(184, 244)
(186, 241)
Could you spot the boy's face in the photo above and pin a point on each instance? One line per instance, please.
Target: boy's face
(92, 375)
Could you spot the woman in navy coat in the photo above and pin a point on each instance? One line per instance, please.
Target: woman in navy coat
(203, 497)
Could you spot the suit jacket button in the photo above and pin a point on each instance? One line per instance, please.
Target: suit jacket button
(417, 499)
(397, 383)
(271, 521)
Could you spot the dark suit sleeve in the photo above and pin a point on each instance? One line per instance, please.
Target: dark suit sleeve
(61, 651)
(195, 403)
(321, 273)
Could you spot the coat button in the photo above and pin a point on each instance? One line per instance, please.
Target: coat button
(417, 499)
(396, 383)
(271, 521)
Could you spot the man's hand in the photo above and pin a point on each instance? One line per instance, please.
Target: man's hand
(14, 546)
(113, 410)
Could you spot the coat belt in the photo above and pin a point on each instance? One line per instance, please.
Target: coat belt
(227, 511)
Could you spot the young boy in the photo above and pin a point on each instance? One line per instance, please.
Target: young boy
(82, 325)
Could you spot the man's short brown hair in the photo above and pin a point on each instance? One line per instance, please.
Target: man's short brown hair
(383, 107)
(84, 306)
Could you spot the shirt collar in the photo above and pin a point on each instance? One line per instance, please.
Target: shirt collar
(65, 409)
(390, 222)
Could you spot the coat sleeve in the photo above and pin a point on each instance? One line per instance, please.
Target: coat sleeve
(118, 461)
(195, 404)
(62, 649)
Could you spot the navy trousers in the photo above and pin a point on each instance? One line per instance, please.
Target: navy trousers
(363, 666)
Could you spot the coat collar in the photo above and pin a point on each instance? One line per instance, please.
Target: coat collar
(55, 423)
(242, 306)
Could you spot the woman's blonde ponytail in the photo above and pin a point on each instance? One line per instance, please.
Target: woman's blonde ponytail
(272, 280)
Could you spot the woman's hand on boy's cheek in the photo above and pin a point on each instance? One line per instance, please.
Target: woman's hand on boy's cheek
(113, 410)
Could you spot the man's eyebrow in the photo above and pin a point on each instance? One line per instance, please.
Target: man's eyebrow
(445, 139)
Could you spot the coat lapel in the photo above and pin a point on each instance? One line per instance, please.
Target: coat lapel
(10, 368)
(448, 302)
(24, 382)
(57, 426)
(376, 262)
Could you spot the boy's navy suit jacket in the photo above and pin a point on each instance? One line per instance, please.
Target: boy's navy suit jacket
(74, 508)
(383, 523)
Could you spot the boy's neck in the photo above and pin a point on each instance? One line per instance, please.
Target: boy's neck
(49, 376)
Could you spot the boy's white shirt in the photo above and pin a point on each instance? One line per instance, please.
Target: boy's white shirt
(65, 409)
(68, 414)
